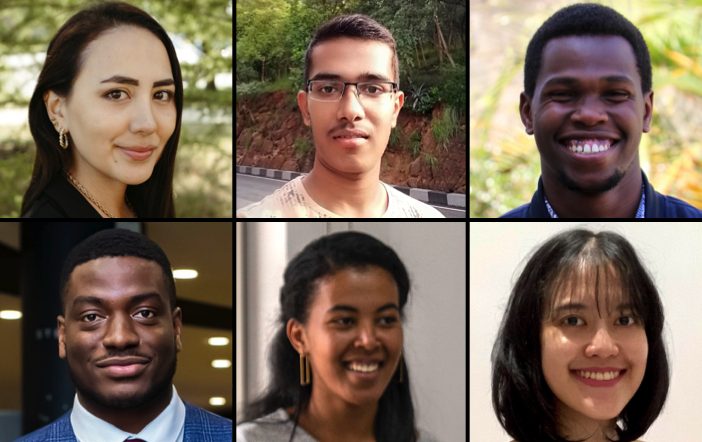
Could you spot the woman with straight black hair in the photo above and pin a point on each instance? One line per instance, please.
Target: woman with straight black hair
(580, 353)
(105, 117)
(337, 366)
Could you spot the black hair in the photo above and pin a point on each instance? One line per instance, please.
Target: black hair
(117, 242)
(324, 257)
(357, 26)
(523, 402)
(585, 19)
(152, 198)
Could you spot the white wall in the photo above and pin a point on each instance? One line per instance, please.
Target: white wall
(434, 254)
(673, 254)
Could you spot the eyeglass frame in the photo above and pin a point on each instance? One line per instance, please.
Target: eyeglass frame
(395, 88)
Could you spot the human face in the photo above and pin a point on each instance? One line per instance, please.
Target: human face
(121, 110)
(350, 136)
(593, 99)
(119, 335)
(353, 336)
(582, 346)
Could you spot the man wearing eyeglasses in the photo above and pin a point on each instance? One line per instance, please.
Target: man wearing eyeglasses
(351, 101)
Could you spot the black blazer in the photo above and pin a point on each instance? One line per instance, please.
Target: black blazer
(657, 205)
(61, 200)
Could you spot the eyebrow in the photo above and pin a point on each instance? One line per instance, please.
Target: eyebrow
(96, 300)
(366, 76)
(571, 81)
(134, 82)
(579, 307)
(348, 308)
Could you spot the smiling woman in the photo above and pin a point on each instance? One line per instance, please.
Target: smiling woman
(106, 116)
(580, 354)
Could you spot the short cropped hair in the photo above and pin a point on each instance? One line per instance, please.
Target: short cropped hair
(523, 402)
(357, 26)
(585, 19)
(114, 243)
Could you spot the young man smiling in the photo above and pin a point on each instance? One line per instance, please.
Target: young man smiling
(587, 99)
(351, 101)
(120, 333)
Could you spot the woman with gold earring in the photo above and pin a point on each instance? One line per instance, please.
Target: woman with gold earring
(339, 373)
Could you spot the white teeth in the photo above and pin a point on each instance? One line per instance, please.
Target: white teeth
(595, 148)
(363, 368)
(599, 376)
(588, 147)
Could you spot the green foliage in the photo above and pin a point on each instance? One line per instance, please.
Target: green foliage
(431, 161)
(415, 144)
(395, 136)
(422, 99)
(302, 147)
(452, 88)
(250, 88)
(445, 127)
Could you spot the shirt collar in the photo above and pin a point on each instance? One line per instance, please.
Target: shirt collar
(167, 427)
(639, 212)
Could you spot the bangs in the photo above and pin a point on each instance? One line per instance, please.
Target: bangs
(588, 275)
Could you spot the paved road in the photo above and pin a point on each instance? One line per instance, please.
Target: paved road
(250, 189)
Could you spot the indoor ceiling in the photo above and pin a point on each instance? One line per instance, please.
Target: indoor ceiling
(203, 246)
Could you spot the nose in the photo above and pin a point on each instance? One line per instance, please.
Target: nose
(143, 119)
(350, 107)
(367, 338)
(590, 112)
(602, 345)
(120, 333)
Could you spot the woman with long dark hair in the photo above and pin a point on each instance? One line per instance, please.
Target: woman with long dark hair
(337, 366)
(580, 353)
(105, 117)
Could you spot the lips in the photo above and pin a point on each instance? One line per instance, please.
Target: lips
(137, 153)
(350, 134)
(599, 376)
(121, 367)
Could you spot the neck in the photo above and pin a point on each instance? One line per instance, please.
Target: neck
(331, 419)
(351, 195)
(619, 202)
(108, 192)
(576, 426)
(133, 419)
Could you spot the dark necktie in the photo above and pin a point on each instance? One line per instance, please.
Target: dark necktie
(134, 440)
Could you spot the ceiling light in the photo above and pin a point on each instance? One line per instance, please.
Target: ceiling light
(217, 401)
(218, 341)
(221, 363)
(10, 314)
(184, 274)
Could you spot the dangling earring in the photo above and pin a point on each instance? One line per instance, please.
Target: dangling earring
(304, 370)
(401, 378)
(63, 138)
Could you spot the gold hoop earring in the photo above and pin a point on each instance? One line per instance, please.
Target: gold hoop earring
(401, 378)
(63, 139)
(304, 370)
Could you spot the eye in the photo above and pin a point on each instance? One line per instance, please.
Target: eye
(165, 96)
(146, 314)
(618, 95)
(372, 89)
(572, 321)
(116, 95)
(561, 95)
(344, 322)
(387, 320)
(90, 317)
(626, 320)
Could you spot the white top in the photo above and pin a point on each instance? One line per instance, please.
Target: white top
(277, 426)
(167, 427)
(293, 201)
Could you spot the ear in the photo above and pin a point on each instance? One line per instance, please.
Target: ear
(296, 335)
(177, 327)
(648, 111)
(525, 113)
(302, 103)
(56, 109)
(61, 325)
(399, 101)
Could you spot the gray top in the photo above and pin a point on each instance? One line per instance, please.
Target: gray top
(277, 426)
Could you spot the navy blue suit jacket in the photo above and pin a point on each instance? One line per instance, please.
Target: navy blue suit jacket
(200, 426)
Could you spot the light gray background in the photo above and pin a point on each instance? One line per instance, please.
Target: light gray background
(435, 326)
(672, 252)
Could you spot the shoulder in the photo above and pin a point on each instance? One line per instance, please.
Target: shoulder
(676, 208)
(401, 205)
(289, 201)
(273, 427)
(424, 436)
(200, 422)
(519, 212)
(45, 207)
(59, 199)
(59, 430)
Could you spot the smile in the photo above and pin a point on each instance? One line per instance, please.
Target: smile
(607, 378)
(137, 153)
(590, 147)
(363, 368)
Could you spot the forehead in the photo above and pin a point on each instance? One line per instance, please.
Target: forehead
(351, 57)
(365, 288)
(583, 58)
(116, 278)
(129, 51)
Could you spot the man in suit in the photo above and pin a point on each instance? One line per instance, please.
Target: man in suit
(120, 333)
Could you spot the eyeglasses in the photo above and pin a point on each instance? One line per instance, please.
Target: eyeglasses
(332, 90)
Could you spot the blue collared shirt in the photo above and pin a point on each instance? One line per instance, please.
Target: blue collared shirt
(167, 427)
(639, 212)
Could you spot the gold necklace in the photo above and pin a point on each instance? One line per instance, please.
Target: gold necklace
(83, 191)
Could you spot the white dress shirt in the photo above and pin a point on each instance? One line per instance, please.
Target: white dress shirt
(167, 427)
